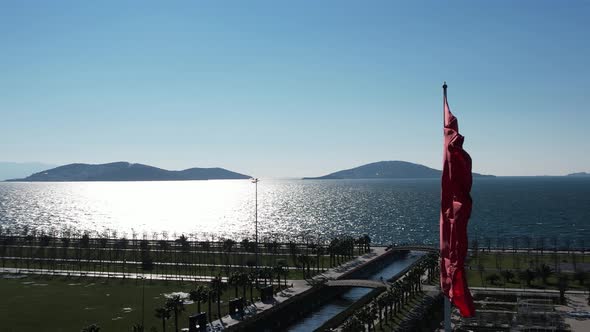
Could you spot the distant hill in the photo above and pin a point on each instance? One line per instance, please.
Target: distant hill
(11, 170)
(387, 170)
(124, 171)
(579, 174)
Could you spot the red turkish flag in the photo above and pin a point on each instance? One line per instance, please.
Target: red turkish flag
(455, 211)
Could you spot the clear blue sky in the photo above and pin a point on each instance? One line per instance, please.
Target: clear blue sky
(278, 88)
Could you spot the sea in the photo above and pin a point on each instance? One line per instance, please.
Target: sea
(392, 211)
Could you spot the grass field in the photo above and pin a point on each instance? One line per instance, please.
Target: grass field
(489, 263)
(510, 260)
(58, 304)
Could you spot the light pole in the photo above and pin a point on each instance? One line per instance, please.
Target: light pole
(142, 302)
(255, 181)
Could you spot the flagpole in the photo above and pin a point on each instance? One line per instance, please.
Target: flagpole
(447, 315)
(447, 302)
(445, 97)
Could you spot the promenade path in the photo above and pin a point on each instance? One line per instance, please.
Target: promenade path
(357, 283)
(114, 275)
(131, 262)
(524, 291)
(416, 247)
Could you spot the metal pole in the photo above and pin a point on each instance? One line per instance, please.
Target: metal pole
(447, 304)
(444, 101)
(143, 303)
(256, 219)
(255, 180)
(447, 315)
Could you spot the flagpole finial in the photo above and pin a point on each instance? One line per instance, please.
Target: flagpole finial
(445, 88)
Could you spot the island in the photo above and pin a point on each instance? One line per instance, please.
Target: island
(395, 169)
(125, 171)
(579, 174)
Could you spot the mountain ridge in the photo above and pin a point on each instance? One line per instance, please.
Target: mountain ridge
(125, 171)
(392, 169)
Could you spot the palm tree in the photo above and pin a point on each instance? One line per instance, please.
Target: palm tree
(162, 245)
(228, 244)
(399, 296)
(394, 290)
(562, 283)
(373, 312)
(382, 303)
(407, 289)
(43, 242)
(544, 271)
(392, 300)
(163, 314)
(234, 280)
(353, 324)
(364, 317)
(65, 244)
(507, 275)
(184, 250)
(218, 286)
(493, 278)
(91, 328)
(527, 276)
(267, 273)
(581, 277)
(176, 304)
(244, 281)
(367, 242)
(419, 273)
(137, 327)
(103, 244)
(183, 241)
(481, 269)
(199, 295)
(279, 270)
(210, 295)
(285, 274)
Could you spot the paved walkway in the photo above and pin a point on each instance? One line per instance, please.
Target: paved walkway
(130, 262)
(532, 251)
(114, 275)
(525, 290)
(576, 312)
(356, 283)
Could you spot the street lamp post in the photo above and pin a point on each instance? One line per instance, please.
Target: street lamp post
(142, 302)
(255, 181)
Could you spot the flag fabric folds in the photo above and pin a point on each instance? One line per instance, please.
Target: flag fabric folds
(455, 212)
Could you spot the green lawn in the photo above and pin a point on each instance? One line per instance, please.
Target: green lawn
(493, 263)
(58, 304)
(509, 260)
(474, 279)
